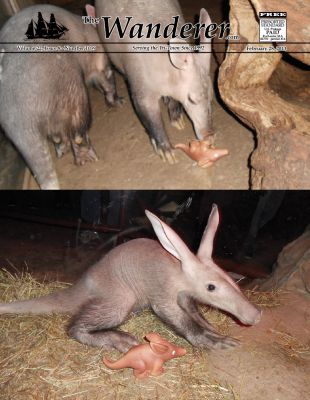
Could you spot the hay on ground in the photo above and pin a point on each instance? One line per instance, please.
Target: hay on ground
(39, 361)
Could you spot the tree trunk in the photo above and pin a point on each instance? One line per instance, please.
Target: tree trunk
(271, 95)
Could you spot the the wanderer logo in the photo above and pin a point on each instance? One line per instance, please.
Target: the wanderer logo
(45, 30)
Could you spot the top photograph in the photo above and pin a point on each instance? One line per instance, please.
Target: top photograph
(154, 95)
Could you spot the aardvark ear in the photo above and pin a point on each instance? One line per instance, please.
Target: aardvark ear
(91, 12)
(179, 59)
(204, 19)
(205, 53)
(169, 239)
(206, 245)
(153, 337)
(158, 348)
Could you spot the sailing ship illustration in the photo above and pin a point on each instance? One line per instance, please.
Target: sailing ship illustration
(45, 30)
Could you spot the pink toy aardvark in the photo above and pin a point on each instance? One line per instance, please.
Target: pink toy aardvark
(148, 358)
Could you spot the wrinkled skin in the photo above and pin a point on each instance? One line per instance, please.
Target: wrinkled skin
(44, 95)
(147, 359)
(167, 278)
(181, 79)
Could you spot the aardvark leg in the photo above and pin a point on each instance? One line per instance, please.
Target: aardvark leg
(94, 323)
(175, 111)
(192, 329)
(148, 109)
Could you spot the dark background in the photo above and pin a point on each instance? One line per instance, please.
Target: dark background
(60, 234)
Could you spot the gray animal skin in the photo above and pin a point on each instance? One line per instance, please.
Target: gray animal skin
(45, 95)
(179, 78)
(139, 274)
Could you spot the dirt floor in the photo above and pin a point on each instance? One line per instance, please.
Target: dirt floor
(126, 157)
(274, 360)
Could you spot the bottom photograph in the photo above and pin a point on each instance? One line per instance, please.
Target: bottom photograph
(155, 295)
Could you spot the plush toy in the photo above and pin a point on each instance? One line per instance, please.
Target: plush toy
(148, 358)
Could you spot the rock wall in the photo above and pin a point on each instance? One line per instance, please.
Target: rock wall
(292, 269)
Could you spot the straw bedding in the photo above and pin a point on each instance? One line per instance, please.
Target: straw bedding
(39, 361)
